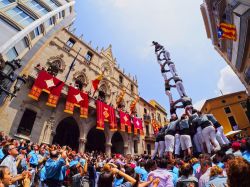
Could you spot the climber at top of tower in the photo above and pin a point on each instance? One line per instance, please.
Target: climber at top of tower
(158, 47)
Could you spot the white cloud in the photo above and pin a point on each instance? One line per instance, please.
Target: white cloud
(228, 81)
(199, 104)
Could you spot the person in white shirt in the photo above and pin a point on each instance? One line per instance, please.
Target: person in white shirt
(206, 164)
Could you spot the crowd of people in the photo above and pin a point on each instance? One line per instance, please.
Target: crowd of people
(194, 132)
(27, 164)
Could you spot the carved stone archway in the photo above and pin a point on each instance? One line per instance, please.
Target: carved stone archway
(95, 140)
(67, 133)
(117, 143)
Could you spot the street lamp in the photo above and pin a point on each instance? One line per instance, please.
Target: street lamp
(20, 81)
(9, 68)
(7, 77)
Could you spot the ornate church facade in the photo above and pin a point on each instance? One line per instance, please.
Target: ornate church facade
(26, 118)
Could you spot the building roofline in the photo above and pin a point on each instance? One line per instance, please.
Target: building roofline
(83, 42)
(222, 97)
(157, 105)
(146, 102)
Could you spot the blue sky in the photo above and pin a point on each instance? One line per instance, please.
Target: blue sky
(131, 25)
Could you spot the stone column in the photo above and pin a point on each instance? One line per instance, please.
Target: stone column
(82, 144)
(108, 149)
(126, 149)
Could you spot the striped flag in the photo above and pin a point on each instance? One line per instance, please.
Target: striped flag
(227, 31)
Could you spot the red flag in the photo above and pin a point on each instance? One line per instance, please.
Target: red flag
(133, 104)
(105, 113)
(96, 81)
(121, 96)
(155, 126)
(137, 125)
(79, 99)
(49, 84)
(125, 121)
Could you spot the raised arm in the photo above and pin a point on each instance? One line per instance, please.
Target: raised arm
(124, 175)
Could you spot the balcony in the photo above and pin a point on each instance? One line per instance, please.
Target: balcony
(146, 118)
(150, 138)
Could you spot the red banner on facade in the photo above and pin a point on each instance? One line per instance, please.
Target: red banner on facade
(105, 113)
(79, 99)
(155, 126)
(125, 121)
(138, 125)
(49, 84)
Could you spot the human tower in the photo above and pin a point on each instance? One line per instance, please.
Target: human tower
(193, 130)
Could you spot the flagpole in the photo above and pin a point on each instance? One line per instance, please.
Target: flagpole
(72, 65)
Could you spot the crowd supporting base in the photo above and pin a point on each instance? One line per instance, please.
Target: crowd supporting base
(27, 164)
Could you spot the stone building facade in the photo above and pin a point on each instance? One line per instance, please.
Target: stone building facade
(235, 52)
(25, 118)
(25, 27)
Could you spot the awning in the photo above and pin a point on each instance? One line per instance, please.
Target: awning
(233, 133)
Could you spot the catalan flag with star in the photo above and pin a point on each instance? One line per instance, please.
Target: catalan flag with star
(227, 31)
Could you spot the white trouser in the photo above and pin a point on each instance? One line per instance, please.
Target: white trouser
(164, 76)
(156, 149)
(200, 138)
(169, 143)
(159, 62)
(209, 134)
(177, 144)
(166, 55)
(222, 139)
(180, 88)
(185, 142)
(33, 174)
(170, 97)
(197, 143)
(162, 146)
(172, 69)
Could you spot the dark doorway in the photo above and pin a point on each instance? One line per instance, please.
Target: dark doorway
(149, 149)
(117, 143)
(27, 122)
(95, 140)
(67, 133)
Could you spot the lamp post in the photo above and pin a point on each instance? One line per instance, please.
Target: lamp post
(7, 77)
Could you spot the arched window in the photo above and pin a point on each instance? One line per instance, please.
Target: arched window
(80, 82)
(102, 93)
(54, 67)
(121, 105)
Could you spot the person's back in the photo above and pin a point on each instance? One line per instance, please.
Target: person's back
(187, 179)
(141, 171)
(217, 181)
(216, 177)
(53, 169)
(165, 177)
(105, 179)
